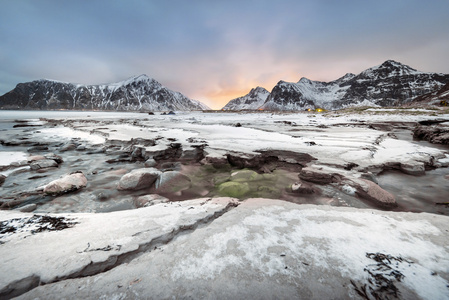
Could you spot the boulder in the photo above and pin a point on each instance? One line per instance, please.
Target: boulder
(66, 184)
(148, 200)
(149, 163)
(172, 182)
(67, 147)
(28, 208)
(43, 163)
(233, 189)
(374, 193)
(138, 179)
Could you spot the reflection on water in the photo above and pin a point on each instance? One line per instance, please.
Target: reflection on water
(418, 193)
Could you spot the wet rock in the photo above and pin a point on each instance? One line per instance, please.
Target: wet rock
(55, 157)
(139, 179)
(380, 126)
(172, 182)
(413, 169)
(67, 147)
(172, 152)
(171, 166)
(369, 176)
(28, 208)
(304, 188)
(66, 184)
(149, 163)
(374, 193)
(216, 162)
(148, 200)
(318, 175)
(44, 163)
(2, 179)
(80, 148)
(195, 154)
(233, 189)
(37, 148)
(437, 134)
(272, 158)
(138, 153)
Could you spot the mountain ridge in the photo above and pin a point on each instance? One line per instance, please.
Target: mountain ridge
(388, 84)
(133, 94)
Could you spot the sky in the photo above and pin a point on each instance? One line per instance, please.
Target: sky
(214, 51)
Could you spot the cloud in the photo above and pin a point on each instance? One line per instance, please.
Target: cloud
(211, 50)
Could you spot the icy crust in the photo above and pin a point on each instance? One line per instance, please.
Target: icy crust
(273, 249)
(94, 242)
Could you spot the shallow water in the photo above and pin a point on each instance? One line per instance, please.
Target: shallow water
(413, 193)
(418, 193)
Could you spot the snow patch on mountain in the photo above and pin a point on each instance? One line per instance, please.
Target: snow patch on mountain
(252, 101)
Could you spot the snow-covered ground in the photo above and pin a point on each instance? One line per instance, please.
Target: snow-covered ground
(208, 248)
(261, 249)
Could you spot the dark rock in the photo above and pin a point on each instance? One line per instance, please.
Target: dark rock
(276, 158)
(2, 179)
(172, 152)
(37, 148)
(67, 147)
(43, 163)
(319, 176)
(193, 155)
(58, 159)
(437, 134)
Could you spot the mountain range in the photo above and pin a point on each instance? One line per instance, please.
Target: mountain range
(134, 94)
(389, 84)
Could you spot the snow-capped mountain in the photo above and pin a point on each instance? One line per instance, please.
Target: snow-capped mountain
(389, 84)
(136, 93)
(252, 101)
(439, 97)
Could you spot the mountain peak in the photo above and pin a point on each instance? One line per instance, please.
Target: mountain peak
(257, 90)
